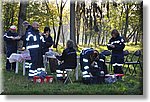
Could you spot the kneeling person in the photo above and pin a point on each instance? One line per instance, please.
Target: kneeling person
(91, 66)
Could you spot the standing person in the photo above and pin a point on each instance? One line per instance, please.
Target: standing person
(27, 26)
(34, 46)
(11, 38)
(48, 40)
(116, 44)
(45, 48)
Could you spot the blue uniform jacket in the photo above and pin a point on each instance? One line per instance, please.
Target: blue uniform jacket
(69, 56)
(33, 39)
(10, 44)
(23, 38)
(117, 52)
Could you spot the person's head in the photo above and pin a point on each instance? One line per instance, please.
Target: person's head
(94, 55)
(114, 33)
(70, 44)
(13, 28)
(35, 25)
(47, 30)
(25, 24)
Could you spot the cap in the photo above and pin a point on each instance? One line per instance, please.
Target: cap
(25, 23)
(13, 27)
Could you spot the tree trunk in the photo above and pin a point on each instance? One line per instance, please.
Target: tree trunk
(78, 17)
(21, 18)
(72, 22)
(99, 35)
(63, 38)
(83, 33)
(126, 24)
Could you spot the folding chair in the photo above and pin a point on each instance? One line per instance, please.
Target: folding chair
(107, 53)
(135, 60)
(68, 71)
(126, 56)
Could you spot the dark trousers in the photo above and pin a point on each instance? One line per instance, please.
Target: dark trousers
(10, 66)
(36, 58)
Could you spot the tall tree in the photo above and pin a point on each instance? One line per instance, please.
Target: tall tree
(21, 17)
(72, 21)
(60, 11)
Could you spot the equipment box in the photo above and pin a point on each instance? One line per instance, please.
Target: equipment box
(47, 79)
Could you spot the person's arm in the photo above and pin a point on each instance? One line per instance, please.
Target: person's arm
(109, 46)
(62, 57)
(17, 38)
(7, 37)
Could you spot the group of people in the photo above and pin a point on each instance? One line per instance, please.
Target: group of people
(37, 43)
(92, 62)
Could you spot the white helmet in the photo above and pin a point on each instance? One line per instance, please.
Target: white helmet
(13, 27)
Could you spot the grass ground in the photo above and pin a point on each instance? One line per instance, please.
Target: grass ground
(18, 84)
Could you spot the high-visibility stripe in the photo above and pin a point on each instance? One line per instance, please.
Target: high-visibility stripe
(115, 42)
(42, 38)
(32, 46)
(30, 35)
(96, 66)
(28, 67)
(85, 60)
(59, 71)
(31, 75)
(61, 75)
(86, 67)
(43, 69)
(31, 71)
(122, 40)
(40, 69)
(86, 76)
(34, 38)
(7, 36)
(28, 63)
(85, 72)
(116, 64)
(101, 60)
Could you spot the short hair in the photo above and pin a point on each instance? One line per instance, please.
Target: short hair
(70, 44)
(46, 29)
(115, 31)
(35, 23)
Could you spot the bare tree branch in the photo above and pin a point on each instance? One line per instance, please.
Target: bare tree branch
(57, 6)
(64, 4)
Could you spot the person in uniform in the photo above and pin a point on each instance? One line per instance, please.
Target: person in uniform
(68, 59)
(92, 66)
(11, 38)
(34, 44)
(116, 44)
(27, 26)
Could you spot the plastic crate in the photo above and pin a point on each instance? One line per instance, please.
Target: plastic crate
(47, 79)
